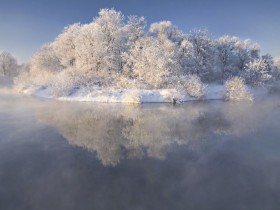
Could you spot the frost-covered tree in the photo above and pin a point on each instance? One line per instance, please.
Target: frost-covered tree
(100, 43)
(165, 30)
(246, 51)
(236, 90)
(175, 40)
(194, 86)
(185, 54)
(151, 62)
(65, 47)
(109, 27)
(226, 56)
(169, 38)
(134, 30)
(203, 51)
(276, 69)
(258, 71)
(44, 65)
(8, 64)
(277, 62)
(116, 51)
(45, 60)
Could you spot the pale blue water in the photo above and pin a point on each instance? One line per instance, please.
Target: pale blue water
(201, 155)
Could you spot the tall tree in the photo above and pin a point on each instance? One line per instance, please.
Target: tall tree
(225, 54)
(100, 43)
(65, 47)
(203, 51)
(246, 52)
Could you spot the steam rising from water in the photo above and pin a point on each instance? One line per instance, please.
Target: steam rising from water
(117, 132)
(199, 155)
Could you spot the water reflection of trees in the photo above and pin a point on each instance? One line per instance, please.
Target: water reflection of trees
(116, 132)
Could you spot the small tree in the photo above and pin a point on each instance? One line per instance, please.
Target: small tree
(276, 68)
(277, 62)
(8, 64)
(194, 86)
(257, 71)
(236, 90)
(45, 60)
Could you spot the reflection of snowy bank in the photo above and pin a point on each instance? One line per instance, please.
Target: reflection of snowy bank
(133, 96)
(117, 132)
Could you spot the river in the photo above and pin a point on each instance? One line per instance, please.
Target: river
(198, 155)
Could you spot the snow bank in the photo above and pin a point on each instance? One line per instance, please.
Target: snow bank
(107, 95)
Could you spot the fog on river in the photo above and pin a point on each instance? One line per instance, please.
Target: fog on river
(198, 155)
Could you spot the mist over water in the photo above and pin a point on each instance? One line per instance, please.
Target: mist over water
(199, 155)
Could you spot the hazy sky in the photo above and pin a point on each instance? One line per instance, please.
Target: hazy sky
(25, 25)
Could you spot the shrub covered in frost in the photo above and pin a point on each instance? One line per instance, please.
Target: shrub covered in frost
(194, 86)
(236, 90)
(66, 81)
(258, 71)
(29, 78)
(63, 84)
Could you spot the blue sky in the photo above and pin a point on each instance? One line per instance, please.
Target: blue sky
(25, 25)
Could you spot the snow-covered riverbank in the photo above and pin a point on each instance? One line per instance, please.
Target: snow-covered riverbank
(108, 95)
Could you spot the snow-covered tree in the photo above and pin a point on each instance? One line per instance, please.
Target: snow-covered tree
(100, 43)
(45, 60)
(236, 90)
(88, 50)
(169, 38)
(175, 40)
(185, 54)
(226, 59)
(276, 69)
(246, 51)
(65, 47)
(203, 51)
(277, 62)
(165, 30)
(258, 71)
(194, 86)
(116, 51)
(151, 62)
(134, 30)
(8, 64)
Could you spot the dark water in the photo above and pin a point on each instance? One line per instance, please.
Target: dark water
(202, 155)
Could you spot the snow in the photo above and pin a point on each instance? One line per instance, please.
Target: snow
(109, 95)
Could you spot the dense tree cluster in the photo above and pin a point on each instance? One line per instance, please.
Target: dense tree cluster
(117, 51)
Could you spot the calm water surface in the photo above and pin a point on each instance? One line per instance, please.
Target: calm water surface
(202, 155)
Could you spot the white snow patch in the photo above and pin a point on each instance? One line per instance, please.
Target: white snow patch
(108, 95)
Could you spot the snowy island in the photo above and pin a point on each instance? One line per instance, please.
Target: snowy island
(117, 59)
